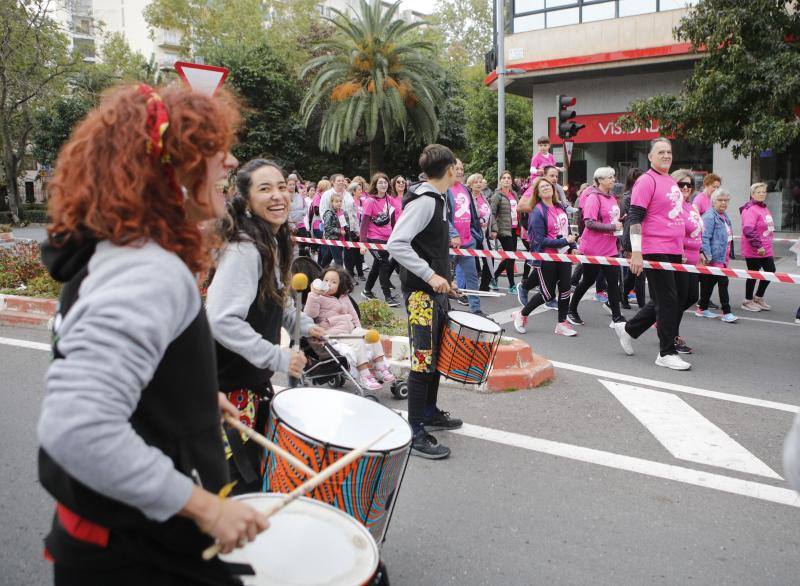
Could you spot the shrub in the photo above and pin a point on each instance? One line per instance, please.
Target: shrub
(5, 218)
(43, 286)
(5, 228)
(21, 265)
(36, 217)
(375, 314)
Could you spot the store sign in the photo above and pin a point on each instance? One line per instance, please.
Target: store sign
(603, 128)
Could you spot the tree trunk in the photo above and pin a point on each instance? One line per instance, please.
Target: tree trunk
(10, 167)
(376, 148)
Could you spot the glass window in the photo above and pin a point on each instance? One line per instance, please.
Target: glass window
(632, 7)
(523, 6)
(598, 12)
(556, 3)
(563, 17)
(675, 4)
(533, 22)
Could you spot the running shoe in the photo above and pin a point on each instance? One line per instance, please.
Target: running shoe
(383, 374)
(441, 421)
(632, 296)
(729, 318)
(565, 329)
(750, 305)
(368, 381)
(391, 286)
(681, 347)
(425, 445)
(672, 361)
(797, 316)
(602, 297)
(522, 295)
(625, 339)
(392, 301)
(607, 307)
(574, 318)
(712, 305)
(512, 290)
(620, 319)
(624, 304)
(462, 300)
(706, 313)
(762, 304)
(552, 304)
(520, 321)
(493, 285)
(368, 294)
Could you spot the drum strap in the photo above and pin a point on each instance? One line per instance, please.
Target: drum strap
(240, 456)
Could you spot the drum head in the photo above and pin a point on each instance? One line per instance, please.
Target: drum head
(307, 543)
(475, 322)
(340, 419)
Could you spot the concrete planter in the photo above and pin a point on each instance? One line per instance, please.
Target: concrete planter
(31, 312)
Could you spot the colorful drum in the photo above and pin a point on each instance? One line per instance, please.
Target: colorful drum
(319, 426)
(468, 346)
(307, 543)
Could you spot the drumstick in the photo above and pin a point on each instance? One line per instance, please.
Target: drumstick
(299, 284)
(308, 485)
(370, 336)
(478, 293)
(272, 447)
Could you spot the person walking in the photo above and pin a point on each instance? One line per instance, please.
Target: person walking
(483, 266)
(504, 225)
(692, 248)
(630, 282)
(378, 216)
(717, 241)
(758, 232)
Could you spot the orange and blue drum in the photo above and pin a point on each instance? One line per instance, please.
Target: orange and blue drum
(319, 426)
(468, 346)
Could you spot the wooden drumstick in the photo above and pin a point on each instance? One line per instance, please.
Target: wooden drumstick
(272, 447)
(308, 485)
(299, 284)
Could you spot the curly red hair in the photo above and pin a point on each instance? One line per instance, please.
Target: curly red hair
(108, 185)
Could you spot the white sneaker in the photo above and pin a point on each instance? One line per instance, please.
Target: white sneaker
(625, 339)
(750, 305)
(729, 318)
(672, 361)
(520, 321)
(762, 305)
(565, 329)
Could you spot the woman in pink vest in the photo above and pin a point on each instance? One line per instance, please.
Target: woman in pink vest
(758, 231)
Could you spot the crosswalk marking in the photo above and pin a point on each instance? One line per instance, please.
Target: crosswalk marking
(684, 432)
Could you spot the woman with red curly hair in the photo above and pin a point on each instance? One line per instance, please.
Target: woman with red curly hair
(129, 431)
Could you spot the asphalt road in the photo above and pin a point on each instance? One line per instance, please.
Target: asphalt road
(572, 483)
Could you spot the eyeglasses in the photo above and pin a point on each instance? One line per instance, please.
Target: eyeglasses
(684, 185)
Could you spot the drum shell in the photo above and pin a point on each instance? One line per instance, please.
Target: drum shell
(466, 354)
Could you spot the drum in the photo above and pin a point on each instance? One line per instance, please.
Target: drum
(319, 426)
(468, 346)
(307, 543)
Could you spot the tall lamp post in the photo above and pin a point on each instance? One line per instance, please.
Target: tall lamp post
(500, 18)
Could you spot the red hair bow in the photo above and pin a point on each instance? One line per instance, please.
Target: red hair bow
(157, 122)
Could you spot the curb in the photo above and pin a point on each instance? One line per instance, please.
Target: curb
(6, 237)
(28, 312)
(515, 367)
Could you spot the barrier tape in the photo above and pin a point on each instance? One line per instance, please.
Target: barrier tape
(580, 258)
(777, 240)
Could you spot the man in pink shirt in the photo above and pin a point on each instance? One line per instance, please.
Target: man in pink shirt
(702, 201)
(657, 232)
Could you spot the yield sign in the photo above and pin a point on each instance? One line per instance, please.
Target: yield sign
(205, 79)
(568, 144)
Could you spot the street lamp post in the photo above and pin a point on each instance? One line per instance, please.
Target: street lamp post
(500, 18)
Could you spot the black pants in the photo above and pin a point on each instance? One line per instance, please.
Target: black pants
(484, 272)
(508, 243)
(354, 261)
(590, 274)
(707, 283)
(302, 246)
(767, 264)
(325, 255)
(667, 292)
(600, 284)
(526, 268)
(551, 274)
(637, 283)
(692, 295)
(381, 267)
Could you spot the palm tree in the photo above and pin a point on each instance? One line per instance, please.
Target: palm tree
(373, 76)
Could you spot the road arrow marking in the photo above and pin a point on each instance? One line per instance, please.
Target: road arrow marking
(684, 432)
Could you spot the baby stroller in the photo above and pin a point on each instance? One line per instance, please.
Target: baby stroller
(326, 365)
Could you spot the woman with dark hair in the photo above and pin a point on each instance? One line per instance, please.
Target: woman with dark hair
(629, 280)
(129, 429)
(378, 217)
(504, 227)
(248, 304)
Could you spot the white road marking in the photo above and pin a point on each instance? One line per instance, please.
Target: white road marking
(766, 321)
(748, 488)
(677, 388)
(25, 344)
(685, 433)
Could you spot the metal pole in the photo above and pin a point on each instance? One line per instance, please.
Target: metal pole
(501, 89)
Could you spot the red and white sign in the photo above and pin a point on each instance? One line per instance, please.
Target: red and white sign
(205, 79)
(603, 128)
(568, 144)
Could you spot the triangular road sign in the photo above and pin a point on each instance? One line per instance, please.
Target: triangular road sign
(205, 79)
(568, 144)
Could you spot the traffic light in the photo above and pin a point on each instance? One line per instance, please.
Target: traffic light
(567, 128)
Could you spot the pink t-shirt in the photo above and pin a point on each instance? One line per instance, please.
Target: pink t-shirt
(604, 209)
(315, 204)
(397, 203)
(662, 227)
(462, 216)
(540, 161)
(512, 200)
(557, 226)
(760, 219)
(484, 211)
(693, 234)
(381, 211)
(702, 202)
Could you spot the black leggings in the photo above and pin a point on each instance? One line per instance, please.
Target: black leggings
(354, 261)
(765, 263)
(550, 274)
(692, 295)
(381, 267)
(631, 281)
(590, 273)
(508, 243)
(707, 283)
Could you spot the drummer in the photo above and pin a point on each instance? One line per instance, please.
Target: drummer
(248, 304)
(420, 243)
(130, 444)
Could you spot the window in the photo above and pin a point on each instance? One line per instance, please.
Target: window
(529, 15)
(534, 22)
(675, 4)
(557, 3)
(523, 6)
(563, 17)
(596, 12)
(633, 7)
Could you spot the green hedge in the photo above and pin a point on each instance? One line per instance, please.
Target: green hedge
(29, 216)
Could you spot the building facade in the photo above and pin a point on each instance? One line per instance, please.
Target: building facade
(608, 53)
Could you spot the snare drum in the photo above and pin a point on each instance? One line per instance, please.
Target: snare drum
(307, 543)
(468, 346)
(319, 426)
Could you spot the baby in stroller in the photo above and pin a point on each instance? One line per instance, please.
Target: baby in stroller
(330, 306)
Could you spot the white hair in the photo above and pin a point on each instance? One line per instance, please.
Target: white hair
(719, 193)
(603, 173)
(755, 186)
(657, 140)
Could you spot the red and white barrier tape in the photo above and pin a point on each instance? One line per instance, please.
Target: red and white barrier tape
(581, 258)
(776, 240)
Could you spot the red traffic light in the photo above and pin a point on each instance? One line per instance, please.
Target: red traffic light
(564, 101)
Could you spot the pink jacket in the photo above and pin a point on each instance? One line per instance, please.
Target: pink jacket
(335, 314)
